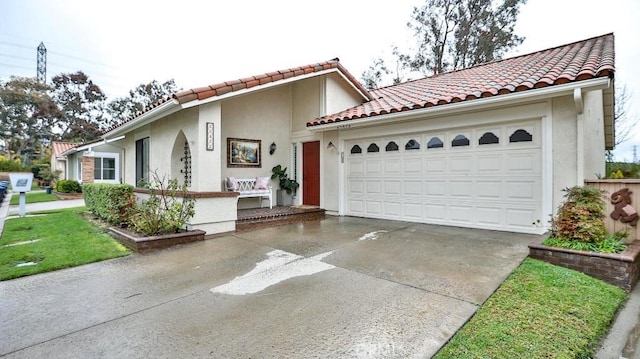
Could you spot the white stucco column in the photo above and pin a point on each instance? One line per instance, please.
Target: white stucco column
(577, 99)
(206, 162)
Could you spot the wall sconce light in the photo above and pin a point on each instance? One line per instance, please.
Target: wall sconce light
(331, 146)
(272, 148)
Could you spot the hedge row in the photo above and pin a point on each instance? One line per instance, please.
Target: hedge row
(110, 202)
(68, 186)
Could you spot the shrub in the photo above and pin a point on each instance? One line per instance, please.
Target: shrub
(68, 186)
(36, 169)
(11, 166)
(113, 203)
(581, 216)
(162, 212)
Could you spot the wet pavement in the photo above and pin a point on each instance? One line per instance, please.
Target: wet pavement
(340, 288)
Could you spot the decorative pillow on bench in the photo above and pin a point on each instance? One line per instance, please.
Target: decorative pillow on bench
(232, 184)
(262, 183)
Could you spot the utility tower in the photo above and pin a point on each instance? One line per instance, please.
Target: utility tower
(42, 63)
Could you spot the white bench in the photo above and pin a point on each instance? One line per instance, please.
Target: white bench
(246, 188)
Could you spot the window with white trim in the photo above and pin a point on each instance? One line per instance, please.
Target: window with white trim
(106, 167)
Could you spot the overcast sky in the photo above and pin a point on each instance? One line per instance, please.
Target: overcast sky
(121, 44)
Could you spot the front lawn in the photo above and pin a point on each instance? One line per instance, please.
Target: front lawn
(52, 241)
(540, 311)
(33, 197)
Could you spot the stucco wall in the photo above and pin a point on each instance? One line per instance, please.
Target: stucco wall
(594, 161)
(339, 95)
(306, 102)
(265, 116)
(564, 125)
(330, 172)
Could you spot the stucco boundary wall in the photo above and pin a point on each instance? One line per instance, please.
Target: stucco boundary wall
(215, 212)
(611, 186)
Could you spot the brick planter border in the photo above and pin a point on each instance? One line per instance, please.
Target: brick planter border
(621, 270)
(66, 196)
(147, 244)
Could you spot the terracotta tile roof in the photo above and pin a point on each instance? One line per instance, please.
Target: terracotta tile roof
(59, 147)
(222, 88)
(577, 61)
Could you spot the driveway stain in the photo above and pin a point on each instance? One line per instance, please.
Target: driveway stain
(279, 266)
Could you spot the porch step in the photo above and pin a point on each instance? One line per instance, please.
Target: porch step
(258, 218)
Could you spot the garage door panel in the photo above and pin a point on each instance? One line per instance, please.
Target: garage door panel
(522, 190)
(356, 167)
(374, 167)
(356, 186)
(374, 207)
(523, 162)
(392, 209)
(489, 164)
(461, 189)
(436, 212)
(489, 189)
(392, 165)
(413, 211)
(489, 215)
(436, 188)
(436, 165)
(413, 187)
(392, 187)
(520, 217)
(374, 188)
(356, 207)
(460, 214)
(460, 164)
(412, 165)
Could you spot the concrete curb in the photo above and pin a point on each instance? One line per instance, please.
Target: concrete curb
(622, 340)
(4, 210)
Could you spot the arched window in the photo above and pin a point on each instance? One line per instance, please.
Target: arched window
(520, 136)
(356, 149)
(460, 140)
(488, 138)
(435, 142)
(391, 146)
(412, 145)
(373, 148)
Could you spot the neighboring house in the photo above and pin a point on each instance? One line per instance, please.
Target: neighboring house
(94, 162)
(490, 146)
(58, 160)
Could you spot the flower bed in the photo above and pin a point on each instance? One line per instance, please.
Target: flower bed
(621, 270)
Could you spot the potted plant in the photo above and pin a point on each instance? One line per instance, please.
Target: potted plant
(288, 186)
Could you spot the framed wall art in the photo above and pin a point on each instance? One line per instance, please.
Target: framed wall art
(244, 153)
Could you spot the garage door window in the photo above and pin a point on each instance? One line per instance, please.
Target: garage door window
(435, 142)
(391, 146)
(488, 138)
(460, 140)
(356, 149)
(412, 145)
(373, 148)
(520, 136)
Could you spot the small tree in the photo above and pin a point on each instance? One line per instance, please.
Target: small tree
(167, 209)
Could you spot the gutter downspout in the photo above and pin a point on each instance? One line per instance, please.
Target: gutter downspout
(579, 104)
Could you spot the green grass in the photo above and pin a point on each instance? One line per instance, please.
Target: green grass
(33, 197)
(65, 239)
(540, 311)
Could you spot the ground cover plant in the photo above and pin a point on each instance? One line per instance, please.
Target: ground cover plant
(540, 311)
(52, 241)
(33, 197)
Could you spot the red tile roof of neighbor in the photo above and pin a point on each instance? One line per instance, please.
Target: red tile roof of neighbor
(222, 88)
(59, 147)
(577, 61)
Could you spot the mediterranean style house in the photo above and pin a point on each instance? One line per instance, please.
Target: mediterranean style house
(491, 146)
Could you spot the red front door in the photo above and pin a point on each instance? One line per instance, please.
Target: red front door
(311, 173)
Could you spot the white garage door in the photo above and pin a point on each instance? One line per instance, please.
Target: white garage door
(487, 177)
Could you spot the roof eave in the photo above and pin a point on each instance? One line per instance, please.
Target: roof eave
(481, 103)
(268, 85)
(146, 118)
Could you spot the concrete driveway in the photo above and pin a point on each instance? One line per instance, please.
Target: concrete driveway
(339, 288)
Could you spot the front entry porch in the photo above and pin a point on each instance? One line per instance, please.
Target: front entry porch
(258, 218)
